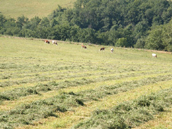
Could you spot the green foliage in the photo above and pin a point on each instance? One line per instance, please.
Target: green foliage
(140, 43)
(122, 42)
(154, 40)
(159, 38)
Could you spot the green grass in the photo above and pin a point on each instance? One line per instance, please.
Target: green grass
(32, 8)
(55, 80)
(162, 121)
(129, 114)
(65, 120)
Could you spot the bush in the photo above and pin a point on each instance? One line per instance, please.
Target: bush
(140, 43)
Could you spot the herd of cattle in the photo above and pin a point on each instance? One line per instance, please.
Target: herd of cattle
(48, 42)
(83, 46)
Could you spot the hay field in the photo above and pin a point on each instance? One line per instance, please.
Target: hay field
(32, 8)
(48, 86)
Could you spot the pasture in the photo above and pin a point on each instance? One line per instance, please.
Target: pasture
(41, 8)
(66, 86)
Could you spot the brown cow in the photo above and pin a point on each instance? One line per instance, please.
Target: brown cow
(84, 46)
(46, 41)
(101, 49)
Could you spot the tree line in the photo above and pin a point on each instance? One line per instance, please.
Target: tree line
(129, 23)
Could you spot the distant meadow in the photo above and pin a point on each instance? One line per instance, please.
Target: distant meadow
(32, 8)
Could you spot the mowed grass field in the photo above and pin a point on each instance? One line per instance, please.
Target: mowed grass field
(32, 8)
(48, 86)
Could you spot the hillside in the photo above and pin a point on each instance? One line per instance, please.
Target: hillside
(120, 23)
(59, 86)
(32, 8)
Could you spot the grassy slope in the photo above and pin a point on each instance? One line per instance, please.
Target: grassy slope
(32, 8)
(27, 63)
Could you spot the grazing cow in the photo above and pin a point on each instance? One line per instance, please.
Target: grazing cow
(46, 41)
(54, 42)
(84, 46)
(111, 49)
(154, 55)
(101, 49)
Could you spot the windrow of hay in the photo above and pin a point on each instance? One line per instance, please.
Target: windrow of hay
(65, 101)
(129, 114)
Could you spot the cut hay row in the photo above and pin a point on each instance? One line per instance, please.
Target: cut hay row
(74, 72)
(45, 90)
(96, 75)
(129, 114)
(41, 82)
(160, 121)
(71, 118)
(28, 113)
